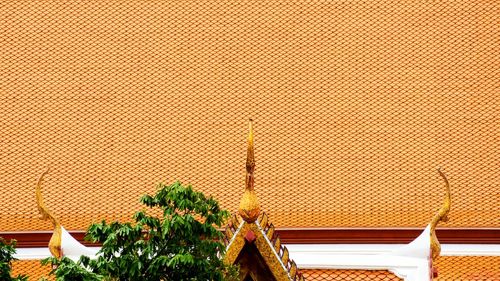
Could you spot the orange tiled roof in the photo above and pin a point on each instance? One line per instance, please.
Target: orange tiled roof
(32, 268)
(356, 103)
(352, 275)
(466, 268)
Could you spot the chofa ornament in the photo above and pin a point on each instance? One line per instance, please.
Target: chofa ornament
(440, 216)
(55, 240)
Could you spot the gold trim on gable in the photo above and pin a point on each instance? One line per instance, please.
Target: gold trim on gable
(281, 271)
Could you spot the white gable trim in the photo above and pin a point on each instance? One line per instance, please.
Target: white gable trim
(374, 249)
(308, 251)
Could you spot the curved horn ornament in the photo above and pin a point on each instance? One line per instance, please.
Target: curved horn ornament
(46, 214)
(440, 216)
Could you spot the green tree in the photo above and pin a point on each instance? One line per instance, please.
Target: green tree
(180, 242)
(7, 251)
(66, 269)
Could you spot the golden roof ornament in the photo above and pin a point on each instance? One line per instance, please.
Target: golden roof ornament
(249, 205)
(55, 240)
(441, 215)
(253, 243)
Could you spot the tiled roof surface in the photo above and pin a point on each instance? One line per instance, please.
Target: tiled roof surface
(450, 269)
(356, 103)
(351, 275)
(468, 268)
(32, 268)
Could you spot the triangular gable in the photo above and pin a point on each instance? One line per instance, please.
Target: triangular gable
(260, 235)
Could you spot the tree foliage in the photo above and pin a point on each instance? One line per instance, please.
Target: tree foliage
(66, 269)
(178, 241)
(7, 251)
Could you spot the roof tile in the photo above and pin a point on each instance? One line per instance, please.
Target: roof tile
(468, 268)
(355, 104)
(32, 268)
(342, 274)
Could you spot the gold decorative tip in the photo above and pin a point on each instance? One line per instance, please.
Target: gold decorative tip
(250, 165)
(249, 205)
(55, 240)
(441, 215)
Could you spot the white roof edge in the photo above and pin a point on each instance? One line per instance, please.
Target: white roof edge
(374, 249)
(324, 249)
(73, 249)
(410, 261)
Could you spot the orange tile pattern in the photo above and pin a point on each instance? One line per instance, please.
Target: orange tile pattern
(450, 268)
(468, 268)
(32, 268)
(356, 103)
(351, 275)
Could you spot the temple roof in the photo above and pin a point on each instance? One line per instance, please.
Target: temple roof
(466, 268)
(357, 103)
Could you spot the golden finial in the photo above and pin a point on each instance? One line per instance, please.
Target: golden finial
(249, 205)
(55, 240)
(441, 215)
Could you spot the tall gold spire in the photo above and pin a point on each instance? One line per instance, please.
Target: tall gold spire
(55, 240)
(249, 205)
(441, 215)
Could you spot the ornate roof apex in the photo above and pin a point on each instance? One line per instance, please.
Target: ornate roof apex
(249, 205)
